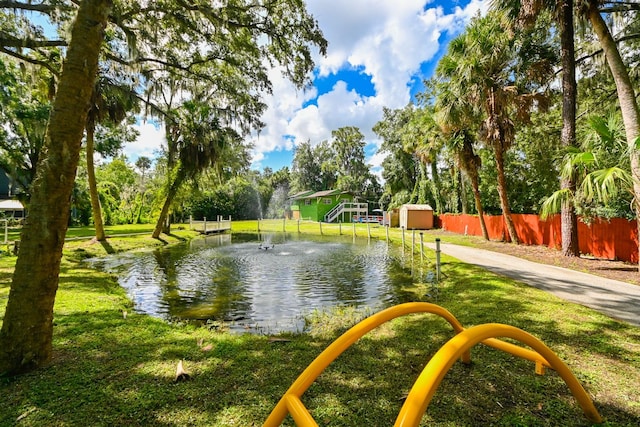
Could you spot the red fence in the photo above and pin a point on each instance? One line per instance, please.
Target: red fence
(613, 239)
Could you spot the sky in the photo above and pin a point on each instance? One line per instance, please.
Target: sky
(379, 53)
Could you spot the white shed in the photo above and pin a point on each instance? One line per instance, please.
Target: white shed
(416, 217)
(11, 206)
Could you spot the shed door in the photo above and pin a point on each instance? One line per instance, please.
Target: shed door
(403, 218)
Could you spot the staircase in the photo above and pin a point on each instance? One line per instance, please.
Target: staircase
(358, 208)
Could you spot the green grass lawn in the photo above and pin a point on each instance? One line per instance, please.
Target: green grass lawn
(13, 233)
(110, 369)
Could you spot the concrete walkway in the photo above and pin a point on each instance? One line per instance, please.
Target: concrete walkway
(616, 299)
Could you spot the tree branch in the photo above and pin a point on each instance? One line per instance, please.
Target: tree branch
(30, 60)
(186, 68)
(8, 41)
(39, 7)
(619, 6)
(599, 51)
(152, 106)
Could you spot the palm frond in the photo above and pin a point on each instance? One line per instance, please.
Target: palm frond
(605, 184)
(576, 161)
(553, 204)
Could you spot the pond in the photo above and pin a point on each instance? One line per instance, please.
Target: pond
(262, 283)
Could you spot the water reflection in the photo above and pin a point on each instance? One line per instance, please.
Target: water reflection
(232, 277)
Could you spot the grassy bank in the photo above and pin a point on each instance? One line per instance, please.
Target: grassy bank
(13, 233)
(111, 369)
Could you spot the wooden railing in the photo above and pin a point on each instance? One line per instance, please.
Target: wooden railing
(208, 226)
(345, 207)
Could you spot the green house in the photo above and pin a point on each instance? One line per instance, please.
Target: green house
(326, 206)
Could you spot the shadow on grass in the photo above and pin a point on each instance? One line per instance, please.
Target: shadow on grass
(603, 353)
(631, 269)
(163, 241)
(497, 389)
(177, 237)
(107, 246)
(474, 298)
(119, 371)
(87, 283)
(114, 370)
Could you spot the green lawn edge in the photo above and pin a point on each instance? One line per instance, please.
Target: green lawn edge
(111, 368)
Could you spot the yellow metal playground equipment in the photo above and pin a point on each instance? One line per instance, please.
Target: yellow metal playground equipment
(427, 383)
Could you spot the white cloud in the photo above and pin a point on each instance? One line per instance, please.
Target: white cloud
(388, 41)
(150, 140)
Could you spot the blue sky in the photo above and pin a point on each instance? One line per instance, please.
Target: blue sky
(379, 53)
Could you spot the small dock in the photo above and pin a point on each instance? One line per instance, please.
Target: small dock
(209, 226)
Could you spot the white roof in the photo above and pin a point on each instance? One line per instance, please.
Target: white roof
(11, 205)
(417, 207)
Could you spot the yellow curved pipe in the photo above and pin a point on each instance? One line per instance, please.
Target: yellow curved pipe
(299, 412)
(309, 375)
(430, 378)
(427, 383)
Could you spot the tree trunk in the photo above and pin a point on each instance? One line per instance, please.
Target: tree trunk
(463, 193)
(569, 220)
(424, 188)
(93, 187)
(469, 162)
(171, 193)
(437, 187)
(27, 329)
(138, 219)
(504, 200)
(416, 185)
(626, 96)
(160, 226)
(475, 186)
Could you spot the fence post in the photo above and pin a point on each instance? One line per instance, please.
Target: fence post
(413, 241)
(437, 259)
(204, 230)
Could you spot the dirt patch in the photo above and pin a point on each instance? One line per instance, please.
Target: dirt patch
(616, 270)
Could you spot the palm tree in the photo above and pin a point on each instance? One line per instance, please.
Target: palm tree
(461, 143)
(589, 9)
(600, 167)
(455, 117)
(198, 139)
(144, 164)
(499, 75)
(523, 14)
(422, 137)
(399, 167)
(110, 103)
